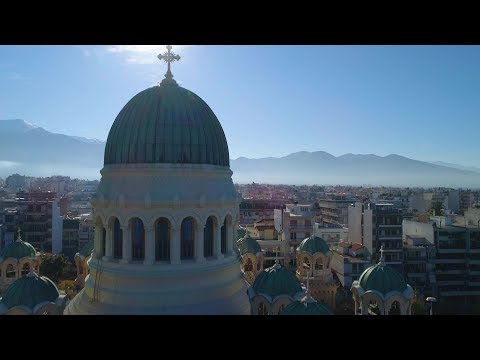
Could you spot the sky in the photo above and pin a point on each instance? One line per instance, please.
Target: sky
(422, 102)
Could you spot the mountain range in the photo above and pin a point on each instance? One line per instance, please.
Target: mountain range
(31, 150)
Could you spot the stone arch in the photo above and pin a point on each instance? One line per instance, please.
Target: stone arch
(137, 234)
(373, 297)
(256, 302)
(279, 303)
(210, 233)
(163, 238)
(25, 268)
(11, 271)
(188, 236)
(117, 236)
(227, 241)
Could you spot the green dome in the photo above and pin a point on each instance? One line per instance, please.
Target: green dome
(87, 249)
(313, 245)
(30, 290)
(276, 280)
(383, 279)
(18, 249)
(166, 124)
(306, 308)
(247, 245)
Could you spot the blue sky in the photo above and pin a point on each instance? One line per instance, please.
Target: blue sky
(421, 102)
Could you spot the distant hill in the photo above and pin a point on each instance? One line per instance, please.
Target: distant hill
(320, 167)
(31, 150)
(456, 166)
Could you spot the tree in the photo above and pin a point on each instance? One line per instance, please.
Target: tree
(53, 266)
(437, 208)
(418, 304)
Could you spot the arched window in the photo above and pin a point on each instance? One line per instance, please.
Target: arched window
(25, 269)
(10, 272)
(223, 234)
(138, 239)
(248, 265)
(262, 309)
(306, 265)
(394, 309)
(187, 239)
(208, 238)
(258, 265)
(280, 309)
(117, 240)
(319, 264)
(104, 237)
(162, 240)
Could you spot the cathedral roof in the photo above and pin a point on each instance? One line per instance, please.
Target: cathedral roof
(276, 280)
(306, 307)
(166, 124)
(247, 245)
(313, 245)
(18, 249)
(382, 278)
(30, 290)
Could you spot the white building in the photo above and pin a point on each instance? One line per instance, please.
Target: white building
(170, 210)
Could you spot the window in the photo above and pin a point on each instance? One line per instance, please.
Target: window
(117, 240)
(187, 239)
(208, 238)
(138, 239)
(262, 309)
(162, 240)
(25, 269)
(10, 272)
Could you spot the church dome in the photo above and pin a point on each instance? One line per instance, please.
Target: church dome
(276, 280)
(30, 290)
(313, 245)
(382, 278)
(306, 307)
(18, 249)
(247, 245)
(166, 124)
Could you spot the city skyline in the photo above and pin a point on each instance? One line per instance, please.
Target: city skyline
(271, 100)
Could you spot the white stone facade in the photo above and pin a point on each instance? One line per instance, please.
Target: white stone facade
(197, 284)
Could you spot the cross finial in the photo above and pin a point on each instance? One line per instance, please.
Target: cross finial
(382, 256)
(168, 57)
(19, 237)
(308, 298)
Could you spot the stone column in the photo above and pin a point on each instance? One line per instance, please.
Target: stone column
(229, 233)
(126, 245)
(356, 306)
(198, 243)
(97, 240)
(175, 245)
(364, 307)
(108, 243)
(149, 245)
(217, 243)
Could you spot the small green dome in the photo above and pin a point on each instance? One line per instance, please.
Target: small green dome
(166, 124)
(277, 280)
(306, 308)
(383, 279)
(247, 245)
(18, 249)
(313, 245)
(30, 290)
(87, 249)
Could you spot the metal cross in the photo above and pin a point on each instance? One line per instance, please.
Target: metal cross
(169, 57)
(382, 257)
(308, 281)
(19, 238)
